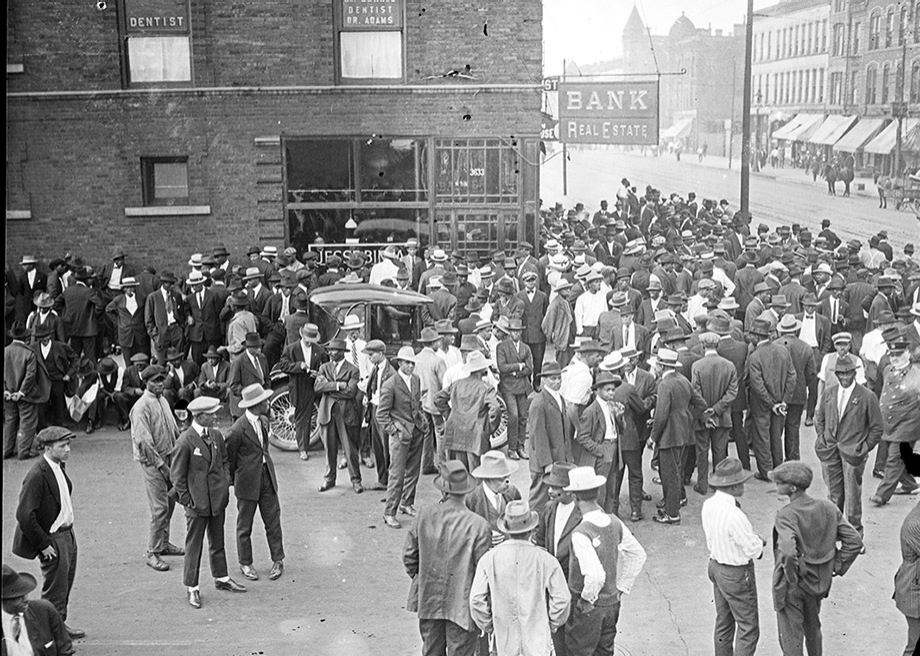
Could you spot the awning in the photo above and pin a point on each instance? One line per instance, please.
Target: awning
(911, 142)
(832, 129)
(796, 126)
(861, 133)
(679, 130)
(883, 144)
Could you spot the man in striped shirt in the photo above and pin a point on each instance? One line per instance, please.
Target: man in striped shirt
(732, 546)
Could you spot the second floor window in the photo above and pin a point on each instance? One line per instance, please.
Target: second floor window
(369, 37)
(875, 30)
(157, 42)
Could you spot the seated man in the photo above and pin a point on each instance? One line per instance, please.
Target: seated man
(215, 376)
(181, 377)
(107, 370)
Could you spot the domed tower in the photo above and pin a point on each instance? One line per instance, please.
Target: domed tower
(682, 28)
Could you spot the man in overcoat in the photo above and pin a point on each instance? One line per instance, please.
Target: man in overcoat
(80, 307)
(551, 432)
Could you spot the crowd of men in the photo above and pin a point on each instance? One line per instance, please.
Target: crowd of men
(665, 324)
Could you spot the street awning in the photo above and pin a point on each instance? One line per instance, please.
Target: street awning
(861, 134)
(883, 143)
(832, 129)
(801, 123)
(679, 130)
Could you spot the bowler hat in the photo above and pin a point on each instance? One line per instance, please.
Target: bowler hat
(558, 476)
(53, 434)
(15, 584)
(494, 464)
(518, 518)
(454, 479)
(729, 472)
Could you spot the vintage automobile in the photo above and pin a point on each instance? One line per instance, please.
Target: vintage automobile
(389, 314)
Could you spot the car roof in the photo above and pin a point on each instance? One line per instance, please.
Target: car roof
(366, 293)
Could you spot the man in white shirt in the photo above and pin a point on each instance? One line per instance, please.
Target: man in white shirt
(45, 528)
(578, 376)
(590, 305)
(386, 268)
(732, 546)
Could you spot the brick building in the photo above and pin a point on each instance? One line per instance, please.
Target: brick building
(166, 126)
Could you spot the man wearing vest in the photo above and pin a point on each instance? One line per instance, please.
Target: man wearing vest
(606, 560)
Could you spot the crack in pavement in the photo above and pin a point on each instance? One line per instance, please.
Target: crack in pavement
(670, 611)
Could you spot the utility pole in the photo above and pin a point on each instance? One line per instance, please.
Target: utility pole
(565, 152)
(900, 110)
(746, 114)
(731, 123)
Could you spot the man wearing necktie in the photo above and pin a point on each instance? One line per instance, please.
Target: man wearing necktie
(200, 474)
(338, 416)
(254, 482)
(382, 371)
(204, 317)
(247, 368)
(30, 627)
(276, 310)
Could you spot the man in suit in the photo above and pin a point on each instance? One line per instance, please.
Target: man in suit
(597, 437)
(164, 315)
(214, 378)
(255, 485)
(200, 474)
(301, 361)
(30, 280)
(59, 361)
(515, 369)
(835, 307)
(56, 270)
(735, 352)
(181, 377)
(80, 306)
(111, 278)
(132, 385)
(758, 304)
(535, 305)
(339, 415)
(401, 417)
(29, 627)
(716, 380)
(45, 316)
(247, 368)
(559, 323)
(905, 579)
(649, 306)
(257, 291)
(806, 378)
(26, 388)
(636, 396)
(204, 317)
(44, 521)
(630, 334)
(444, 304)
(551, 432)
(671, 432)
(153, 437)
(815, 331)
(772, 378)
(279, 306)
(381, 372)
(848, 425)
(127, 315)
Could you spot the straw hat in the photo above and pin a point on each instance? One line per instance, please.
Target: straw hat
(494, 464)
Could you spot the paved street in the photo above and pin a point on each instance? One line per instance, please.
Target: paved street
(344, 588)
(777, 195)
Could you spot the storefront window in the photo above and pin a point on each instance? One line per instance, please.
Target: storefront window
(476, 171)
(393, 170)
(312, 226)
(320, 171)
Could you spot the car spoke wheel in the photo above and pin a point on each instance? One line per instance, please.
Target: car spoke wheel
(501, 431)
(282, 434)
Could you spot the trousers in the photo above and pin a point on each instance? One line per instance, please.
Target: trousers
(196, 527)
(739, 433)
(913, 635)
(538, 350)
(735, 592)
(161, 506)
(59, 573)
(766, 435)
(270, 509)
(669, 465)
(791, 431)
(334, 434)
(381, 447)
(894, 472)
(799, 621)
(444, 638)
(709, 439)
(517, 406)
(20, 419)
(844, 487)
(632, 461)
(405, 466)
(594, 633)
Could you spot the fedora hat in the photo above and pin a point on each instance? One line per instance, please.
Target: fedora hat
(239, 298)
(591, 346)
(352, 321)
(606, 378)
(43, 300)
(788, 324)
(845, 365)
(505, 286)
(210, 353)
(28, 259)
(558, 476)
(494, 464)
(618, 300)
(550, 368)
(613, 361)
(253, 395)
(128, 281)
(406, 354)
(561, 284)
(469, 343)
(810, 299)
(428, 335)
(19, 331)
(779, 300)
(472, 305)
(220, 250)
(167, 276)
(82, 273)
(444, 327)
(438, 255)
(760, 327)
(518, 518)
(195, 277)
(252, 339)
(729, 472)
(172, 353)
(454, 479)
(252, 273)
(668, 358)
(107, 366)
(43, 330)
(15, 584)
(336, 345)
(309, 332)
(728, 303)
(582, 479)
(720, 325)
(761, 287)
(476, 362)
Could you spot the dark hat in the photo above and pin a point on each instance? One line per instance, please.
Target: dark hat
(107, 366)
(375, 346)
(220, 249)
(333, 345)
(428, 335)
(761, 287)
(82, 273)
(444, 327)
(720, 325)
(606, 378)
(675, 299)
(518, 518)
(54, 434)
(591, 346)
(19, 331)
(153, 372)
(550, 368)
(453, 478)
(674, 335)
(15, 584)
(810, 299)
(885, 316)
(844, 365)
(729, 472)
(172, 354)
(212, 352)
(252, 339)
(505, 286)
(167, 276)
(468, 343)
(41, 330)
(760, 327)
(793, 472)
(253, 250)
(239, 298)
(559, 474)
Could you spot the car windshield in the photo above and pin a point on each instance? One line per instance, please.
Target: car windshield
(393, 324)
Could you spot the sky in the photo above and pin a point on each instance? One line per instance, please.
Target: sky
(589, 31)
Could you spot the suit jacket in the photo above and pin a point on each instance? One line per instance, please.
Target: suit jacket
(609, 252)
(643, 339)
(822, 332)
(515, 367)
(545, 535)
(35, 320)
(80, 307)
(302, 382)
(673, 419)
(444, 306)
(55, 286)
(400, 409)
(46, 631)
(24, 371)
(201, 474)
(803, 360)
(559, 324)
(245, 453)
(635, 411)
(589, 447)
(855, 433)
(534, 311)
(206, 317)
(326, 383)
(716, 380)
(257, 301)
(551, 432)
(754, 309)
(25, 293)
(479, 503)
(645, 316)
(59, 363)
(155, 313)
(218, 374)
(106, 273)
(242, 374)
(39, 505)
(737, 352)
(132, 328)
(771, 374)
(190, 372)
(471, 408)
(907, 578)
(131, 381)
(854, 294)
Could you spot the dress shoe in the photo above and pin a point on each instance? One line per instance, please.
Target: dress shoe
(636, 516)
(343, 463)
(327, 485)
(379, 486)
(903, 489)
(660, 505)
(877, 500)
(646, 496)
(124, 426)
(522, 454)
(277, 570)
(878, 473)
(683, 502)
(155, 562)
(762, 477)
(428, 471)
(75, 634)
(89, 427)
(304, 455)
(172, 550)
(700, 490)
(358, 487)
(408, 510)
(391, 521)
(367, 462)
(665, 519)
(230, 585)
(249, 572)
(194, 598)
(656, 480)
(514, 456)
(809, 421)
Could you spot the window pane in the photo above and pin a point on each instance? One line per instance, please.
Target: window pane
(371, 55)
(170, 180)
(319, 171)
(159, 59)
(378, 226)
(393, 170)
(311, 226)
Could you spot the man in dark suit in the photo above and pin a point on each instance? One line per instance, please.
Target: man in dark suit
(597, 437)
(637, 395)
(816, 332)
(214, 379)
(279, 306)
(181, 377)
(59, 362)
(401, 417)
(164, 316)
(44, 521)
(132, 385)
(301, 361)
(34, 625)
(848, 425)
(45, 316)
(127, 315)
(631, 334)
(381, 372)
(515, 370)
(536, 303)
(80, 307)
(254, 482)
(30, 280)
(258, 293)
(806, 378)
(339, 416)
(26, 388)
(550, 430)
(200, 474)
(247, 368)
(204, 317)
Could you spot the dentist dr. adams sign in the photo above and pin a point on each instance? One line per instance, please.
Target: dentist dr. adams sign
(622, 113)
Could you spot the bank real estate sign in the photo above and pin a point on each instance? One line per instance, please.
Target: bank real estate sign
(620, 113)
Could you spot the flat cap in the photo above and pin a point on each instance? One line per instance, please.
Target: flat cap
(54, 434)
(794, 472)
(152, 372)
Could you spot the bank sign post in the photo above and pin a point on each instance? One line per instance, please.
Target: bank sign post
(618, 113)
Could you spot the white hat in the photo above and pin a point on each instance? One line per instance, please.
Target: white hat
(434, 282)
(389, 252)
(195, 260)
(612, 361)
(195, 277)
(582, 479)
(352, 321)
(406, 353)
(271, 251)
